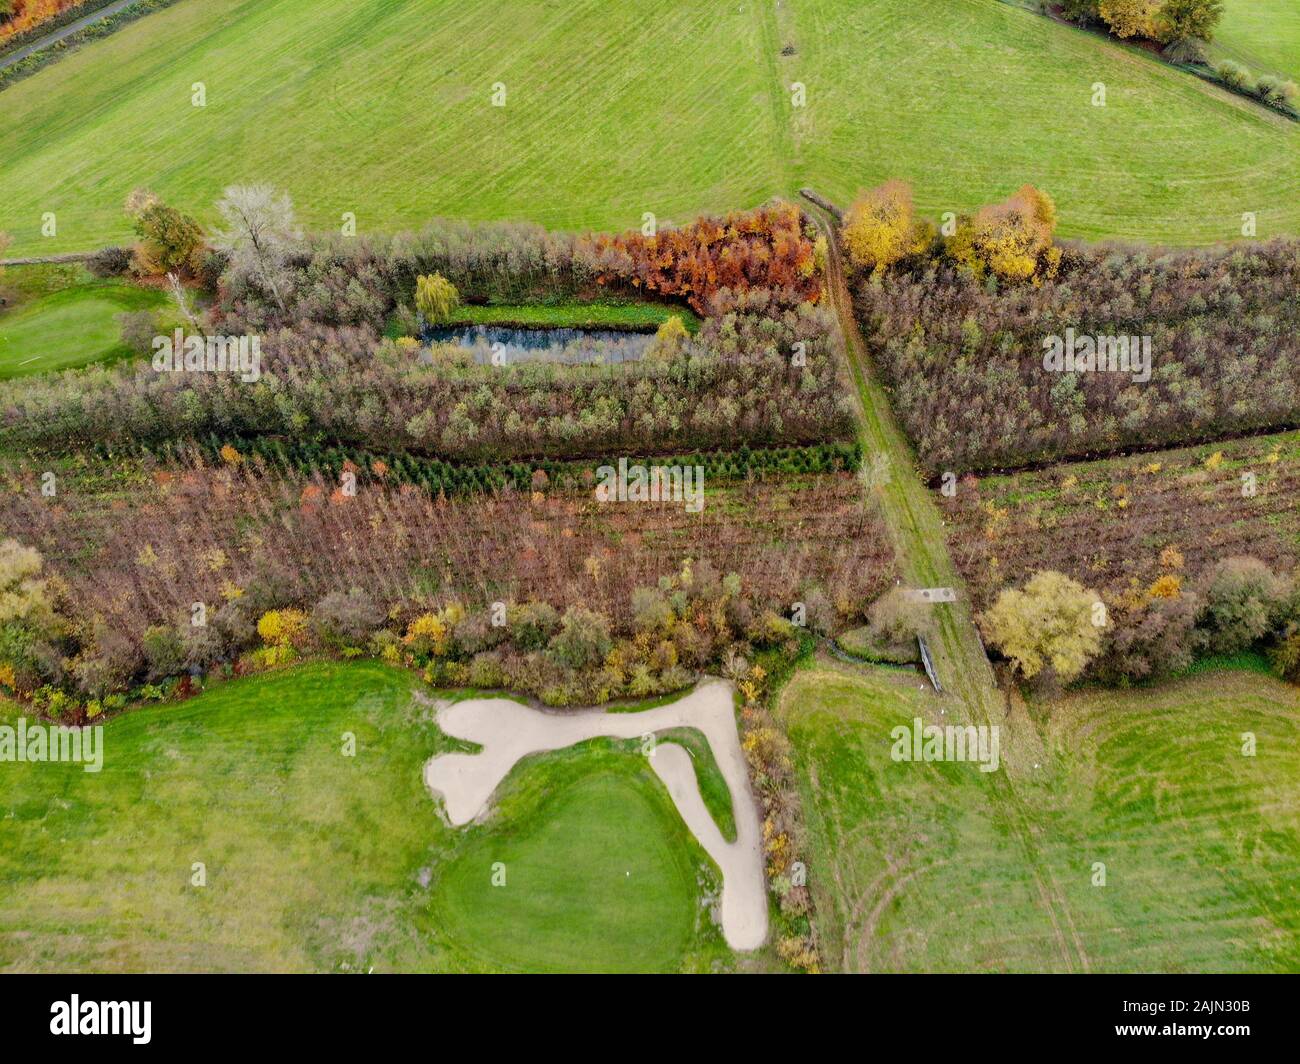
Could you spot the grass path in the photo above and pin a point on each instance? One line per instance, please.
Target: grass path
(921, 547)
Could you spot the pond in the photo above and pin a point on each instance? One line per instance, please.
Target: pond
(573, 346)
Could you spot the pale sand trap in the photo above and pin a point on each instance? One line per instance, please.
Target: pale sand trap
(508, 731)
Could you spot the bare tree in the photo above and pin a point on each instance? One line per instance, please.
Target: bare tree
(259, 229)
(183, 304)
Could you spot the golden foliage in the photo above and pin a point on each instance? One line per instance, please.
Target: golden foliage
(880, 227)
(1011, 240)
(282, 628)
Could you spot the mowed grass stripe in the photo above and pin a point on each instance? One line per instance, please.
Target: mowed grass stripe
(971, 98)
(385, 110)
(1263, 34)
(1201, 844)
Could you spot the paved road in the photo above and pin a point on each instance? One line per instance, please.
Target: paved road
(65, 31)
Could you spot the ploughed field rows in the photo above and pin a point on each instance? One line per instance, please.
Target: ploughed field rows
(1200, 844)
(334, 96)
(1116, 523)
(140, 543)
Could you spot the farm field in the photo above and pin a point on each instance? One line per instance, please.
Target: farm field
(320, 862)
(1201, 845)
(62, 326)
(1262, 34)
(963, 393)
(396, 100)
(1106, 523)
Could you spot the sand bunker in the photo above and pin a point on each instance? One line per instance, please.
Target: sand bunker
(508, 731)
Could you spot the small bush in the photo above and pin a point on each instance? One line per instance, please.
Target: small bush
(894, 619)
(1244, 601)
(164, 651)
(346, 619)
(583, 639)
(532, 624)
(138, 329)
(1186, 50)
(110, 262)
(1234, 75)
(1275, 91)
(1286, 658)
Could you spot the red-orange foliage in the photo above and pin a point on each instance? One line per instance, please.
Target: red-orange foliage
(763, 248)
(29, 13)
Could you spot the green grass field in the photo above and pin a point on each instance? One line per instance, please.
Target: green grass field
(604, 315)
(63, 317)
(385, 110)
(938, 867)
(320, 862)
(1262, 34)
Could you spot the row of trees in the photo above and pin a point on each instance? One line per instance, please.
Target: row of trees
(691, 619)
(129, 547)
(1012, 241)
(1185, 28)
(338, 280)
(1167, 21)
(965, 358)
(758, 372)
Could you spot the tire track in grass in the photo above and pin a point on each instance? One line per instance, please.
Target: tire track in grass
(916, 531)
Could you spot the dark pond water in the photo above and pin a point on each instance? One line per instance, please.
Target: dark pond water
(542, 345)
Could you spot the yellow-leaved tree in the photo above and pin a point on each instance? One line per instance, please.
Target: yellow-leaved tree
(880, 228)
(1131, 18)
(436, 298)
(668, 341)
(1049, 623)
(22, 591)
(1012, 240)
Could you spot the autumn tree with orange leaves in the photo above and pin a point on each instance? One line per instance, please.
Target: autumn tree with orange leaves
(763, 248)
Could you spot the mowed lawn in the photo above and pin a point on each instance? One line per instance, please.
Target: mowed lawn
(385, 110)
(69, 327)
(968, 99)
(938, 867)
(320, 862)
(1263, 34)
